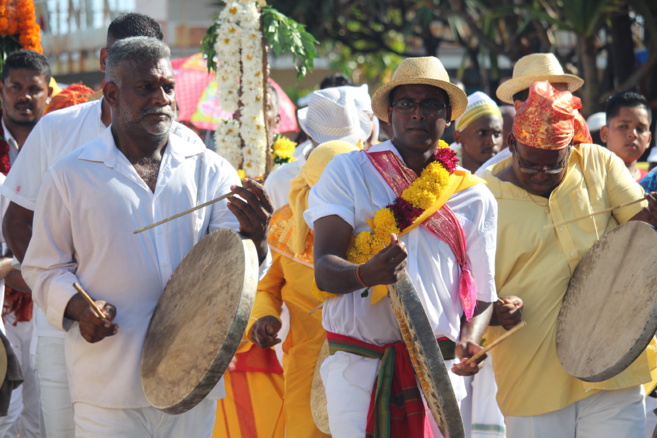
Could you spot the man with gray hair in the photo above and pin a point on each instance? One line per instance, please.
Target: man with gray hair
(135, 173)
(55, 136)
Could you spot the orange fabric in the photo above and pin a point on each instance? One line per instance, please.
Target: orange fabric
(69, 96)
(549, 119)
(288, 280)
(261, 360)
(253, 406)
(280, 237)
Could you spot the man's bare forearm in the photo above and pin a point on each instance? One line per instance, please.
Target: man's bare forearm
(474, 329)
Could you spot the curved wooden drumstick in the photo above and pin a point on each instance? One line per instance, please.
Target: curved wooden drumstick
(485, 350)
(176, 216)
(558, 224)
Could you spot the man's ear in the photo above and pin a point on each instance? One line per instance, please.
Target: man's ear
(111, 93)
(457, 136)
(511, 142)
(104, 53)
(604, 134)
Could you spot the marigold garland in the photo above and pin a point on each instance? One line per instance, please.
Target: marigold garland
(404, 210)
(18, 21)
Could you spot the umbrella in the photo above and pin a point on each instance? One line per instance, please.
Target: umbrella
(197, 94)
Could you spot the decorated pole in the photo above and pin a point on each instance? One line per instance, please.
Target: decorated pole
(239, 39)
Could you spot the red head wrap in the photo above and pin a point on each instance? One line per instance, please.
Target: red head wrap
(549, 119)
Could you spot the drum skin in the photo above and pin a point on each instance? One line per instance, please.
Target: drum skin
(318, 394)
(426, 358)
(609, 312)
(199, 321)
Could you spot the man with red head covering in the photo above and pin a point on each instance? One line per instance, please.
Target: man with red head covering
(555, 174)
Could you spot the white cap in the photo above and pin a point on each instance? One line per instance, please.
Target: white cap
(337, 113)
(596, 121)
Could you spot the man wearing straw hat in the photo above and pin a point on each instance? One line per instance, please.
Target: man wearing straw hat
(553, 175)
(410, 210)
(529, 69)
(135, 173)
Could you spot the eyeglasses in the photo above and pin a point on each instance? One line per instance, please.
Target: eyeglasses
(546, 170)
(429, 107)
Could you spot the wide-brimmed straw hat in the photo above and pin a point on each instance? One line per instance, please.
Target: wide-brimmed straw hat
(534, 68)
(420, 71)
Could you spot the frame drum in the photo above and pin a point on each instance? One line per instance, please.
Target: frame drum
(426, 358)
(199, 321)
(609, 313)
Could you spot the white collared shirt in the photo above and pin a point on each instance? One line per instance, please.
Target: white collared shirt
(353, 189)
(88, 207)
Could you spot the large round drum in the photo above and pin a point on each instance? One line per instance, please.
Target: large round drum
(199, 321)
(609, 312)
(427, 360)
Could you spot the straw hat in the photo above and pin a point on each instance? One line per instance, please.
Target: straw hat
(423, 71)
(534, 68)
(334, 114)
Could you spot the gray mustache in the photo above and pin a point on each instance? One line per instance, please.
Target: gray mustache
(167, 111)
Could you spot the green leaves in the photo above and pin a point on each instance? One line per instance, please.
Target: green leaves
(286, 35)
(283, 34)
(207, 45)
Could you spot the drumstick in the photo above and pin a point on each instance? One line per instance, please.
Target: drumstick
(317, 308)
(593, 214)
(89, 300)
(176, 216)
(488, 347)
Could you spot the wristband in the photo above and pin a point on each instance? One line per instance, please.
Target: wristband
(360, 280)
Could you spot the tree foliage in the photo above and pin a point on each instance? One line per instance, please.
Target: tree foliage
(371, 36)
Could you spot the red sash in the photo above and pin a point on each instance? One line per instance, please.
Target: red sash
(443, 224)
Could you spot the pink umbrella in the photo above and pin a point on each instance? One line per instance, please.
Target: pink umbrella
(198, 101)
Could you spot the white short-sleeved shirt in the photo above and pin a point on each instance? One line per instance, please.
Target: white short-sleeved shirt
(55, 136)
(353, 189)
(278, 182)
(89, 205)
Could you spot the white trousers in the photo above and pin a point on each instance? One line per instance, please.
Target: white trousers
(13, 413)
(94, 422)
(56, 407)
(607, 414)
(28, 423)
(349, 381)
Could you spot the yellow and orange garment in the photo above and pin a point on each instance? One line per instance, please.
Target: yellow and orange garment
(289, 280)
(253, 406)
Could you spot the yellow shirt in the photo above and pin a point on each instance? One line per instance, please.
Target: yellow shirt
(536, 264)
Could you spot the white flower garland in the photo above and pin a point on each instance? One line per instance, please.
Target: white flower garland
(239, 32)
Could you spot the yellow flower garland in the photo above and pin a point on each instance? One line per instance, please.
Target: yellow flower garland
(421, 194)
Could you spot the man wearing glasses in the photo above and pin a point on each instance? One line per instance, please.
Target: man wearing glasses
(449, 256)
(555, 174)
